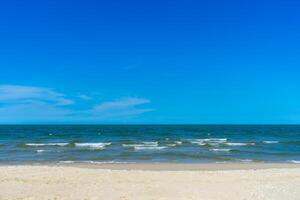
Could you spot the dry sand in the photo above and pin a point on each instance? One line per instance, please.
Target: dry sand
(150, 182)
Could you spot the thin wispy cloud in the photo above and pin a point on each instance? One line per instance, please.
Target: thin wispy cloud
(124, 107)
(28, 103)
(23, 94)
(128, 102)
(84, 97)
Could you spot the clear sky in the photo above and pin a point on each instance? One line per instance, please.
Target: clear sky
(217, 61)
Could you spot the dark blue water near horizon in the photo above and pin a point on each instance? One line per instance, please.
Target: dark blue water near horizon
(149, 143)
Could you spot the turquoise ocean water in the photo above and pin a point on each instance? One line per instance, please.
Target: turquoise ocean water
(149, 143)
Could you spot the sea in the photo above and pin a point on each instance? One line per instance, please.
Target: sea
(149, 144)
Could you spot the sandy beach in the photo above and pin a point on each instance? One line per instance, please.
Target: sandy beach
(151, 182)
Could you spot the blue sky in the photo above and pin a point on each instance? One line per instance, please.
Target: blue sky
(150, 61)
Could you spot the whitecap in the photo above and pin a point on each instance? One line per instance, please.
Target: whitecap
(270, 142)
(46, 144)
(150, 143)
(209, 141)
(149, 148)
(171, 145)
(142, 144)
(295, 161)
(40, 151)
(198, 141)
(238, 144)
(215, 140)
(220, 150)
(67, 161)
(146, 146)
(138, 145)
(132, 145)
(97, 145)
(105, 162)
(245, 160)
(178, 142)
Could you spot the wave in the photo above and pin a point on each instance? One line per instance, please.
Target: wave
(171, 145)
(270, 142)
(209, 141)
(295, 161)
(94, 145)
(220, 150)
(221, 140)
(142, 144)
(239, 144)
(178, 142)
(146, 146)
(245, 160)
(46, 144)
(67, 161)
(199, 142)
(150, 143)
(149, 148)
(174, 143)
(93, 162)
(105, 162)
(40, 151)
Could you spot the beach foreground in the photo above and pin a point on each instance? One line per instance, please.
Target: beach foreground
(155, 182)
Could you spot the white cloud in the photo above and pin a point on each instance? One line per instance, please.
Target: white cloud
(34, 111)
(21, 94)
(38, 104)
(123, 107)
(128, 102)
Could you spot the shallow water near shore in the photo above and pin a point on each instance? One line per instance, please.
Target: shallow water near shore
(149, 143)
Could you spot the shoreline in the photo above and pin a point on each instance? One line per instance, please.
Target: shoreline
(164, 166)
(188, 167)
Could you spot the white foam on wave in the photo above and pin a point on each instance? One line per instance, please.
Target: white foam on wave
(105, 162)
(46, 144)
(238, 144)
(174, 144)
(93, 162)
(209, 141)
(199, 142)
(245, 160)
(270, 142)
(220, 150)
(215, 140)
(295, 161)
(149, 148)
(178, 142)
(171, 145)
(93, 145)
(67, 161)
(142, 144)
(150, 143)
(145, 146)
(40, 150)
